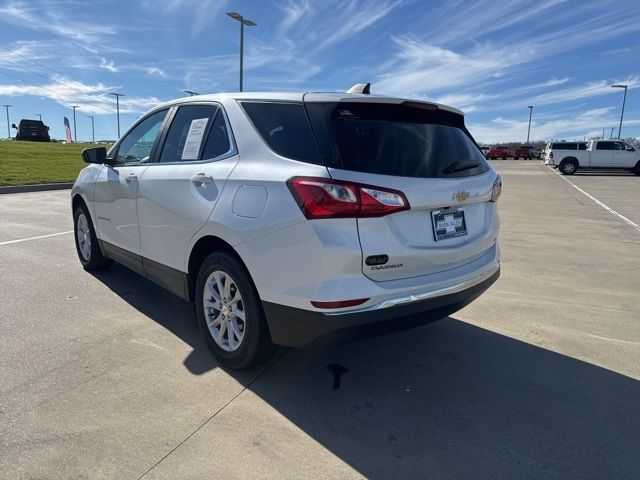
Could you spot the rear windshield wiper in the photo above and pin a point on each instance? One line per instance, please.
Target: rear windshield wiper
(454, 167)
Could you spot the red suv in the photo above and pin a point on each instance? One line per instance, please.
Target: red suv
(499, 151)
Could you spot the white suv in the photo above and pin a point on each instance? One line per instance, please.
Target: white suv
(293, 219)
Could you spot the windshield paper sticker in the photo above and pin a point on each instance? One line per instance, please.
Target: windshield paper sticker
(194, 139)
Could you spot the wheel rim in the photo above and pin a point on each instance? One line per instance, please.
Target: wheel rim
(568, 167)
(84, 237)
(224, 311)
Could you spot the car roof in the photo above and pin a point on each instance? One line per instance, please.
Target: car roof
(300, 96)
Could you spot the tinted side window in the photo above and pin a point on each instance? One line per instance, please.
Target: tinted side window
(137, 145)
(582, 146)
(218, 142)
(619, 146)
(187, 133)
(285, 128)
(565, 146)
(604, 146)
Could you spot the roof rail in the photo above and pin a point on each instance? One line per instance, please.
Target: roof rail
(362, 88)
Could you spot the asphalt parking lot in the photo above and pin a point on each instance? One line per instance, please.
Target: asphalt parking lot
(105, 376)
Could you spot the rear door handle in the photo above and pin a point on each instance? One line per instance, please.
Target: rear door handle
(132, 178)
(201, 179)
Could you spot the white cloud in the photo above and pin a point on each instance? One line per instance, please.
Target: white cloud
(293, 11)
(94, 99)
(108, 65)
(52, 19)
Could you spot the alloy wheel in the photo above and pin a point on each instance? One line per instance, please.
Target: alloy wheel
(224, 310)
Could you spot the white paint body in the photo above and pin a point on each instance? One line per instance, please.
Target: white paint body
(162, 214)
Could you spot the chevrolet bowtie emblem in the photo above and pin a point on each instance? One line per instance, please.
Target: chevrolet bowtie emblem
(460, 196)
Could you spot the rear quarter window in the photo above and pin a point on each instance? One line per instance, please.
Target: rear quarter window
(285, 128)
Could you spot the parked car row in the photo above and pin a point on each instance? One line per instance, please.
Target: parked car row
(503, 151)
(569, 157)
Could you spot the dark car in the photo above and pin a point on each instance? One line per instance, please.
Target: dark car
(32, 130)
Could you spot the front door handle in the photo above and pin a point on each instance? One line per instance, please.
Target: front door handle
(132, 178)
(201, 179)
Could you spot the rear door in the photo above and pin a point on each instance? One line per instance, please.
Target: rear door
(179, 191)
(602, 155)
(427, 155)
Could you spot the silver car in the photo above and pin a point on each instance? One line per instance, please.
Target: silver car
(295, 219)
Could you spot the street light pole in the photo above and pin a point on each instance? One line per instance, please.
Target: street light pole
(624, 99)
(75, 137)
(8, 124)
(93, 137)
(118, 95)
(529, 130)
(249, 23)
(39, 116)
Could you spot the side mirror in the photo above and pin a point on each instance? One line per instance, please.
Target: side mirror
(13, 125)
(95, 155)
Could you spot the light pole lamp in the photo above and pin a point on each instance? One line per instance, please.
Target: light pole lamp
(191, 93)
(624, 99)
(249, 23)
(118, 95)
(75, 137)
(93, 137)
(8, 124)
(529, 130)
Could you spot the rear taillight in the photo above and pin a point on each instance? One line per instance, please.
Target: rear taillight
(551, 154)
(328, 198)
(496, 190)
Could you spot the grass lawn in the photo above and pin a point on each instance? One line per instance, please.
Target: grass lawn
(23, 163)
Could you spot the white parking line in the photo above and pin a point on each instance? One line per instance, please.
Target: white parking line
(34, 238)
(606, 207)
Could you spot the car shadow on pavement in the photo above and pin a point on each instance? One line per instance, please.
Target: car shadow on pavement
(162, 307)
(447, 400)
(451, 400)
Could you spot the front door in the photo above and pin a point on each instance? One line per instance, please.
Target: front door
(179, 190)
(623, 155)
(116, 189)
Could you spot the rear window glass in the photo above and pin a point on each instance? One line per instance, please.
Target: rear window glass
(285, 128)
(408, 139)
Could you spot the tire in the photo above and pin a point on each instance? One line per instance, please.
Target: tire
(248, 342)
(568, 167)
(636, 169)
(86, 241)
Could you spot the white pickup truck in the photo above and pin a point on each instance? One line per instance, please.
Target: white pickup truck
(596, 154)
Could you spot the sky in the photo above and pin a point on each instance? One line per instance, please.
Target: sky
(489, 58)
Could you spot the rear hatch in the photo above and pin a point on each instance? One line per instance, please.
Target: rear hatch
(426, 153)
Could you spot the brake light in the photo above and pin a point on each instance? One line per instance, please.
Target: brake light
(551, 154)
(496, 190)
(328, 198)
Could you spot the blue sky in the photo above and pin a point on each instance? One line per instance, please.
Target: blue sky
(489, 58)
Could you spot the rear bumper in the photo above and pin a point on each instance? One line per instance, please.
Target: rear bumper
(295, 327)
